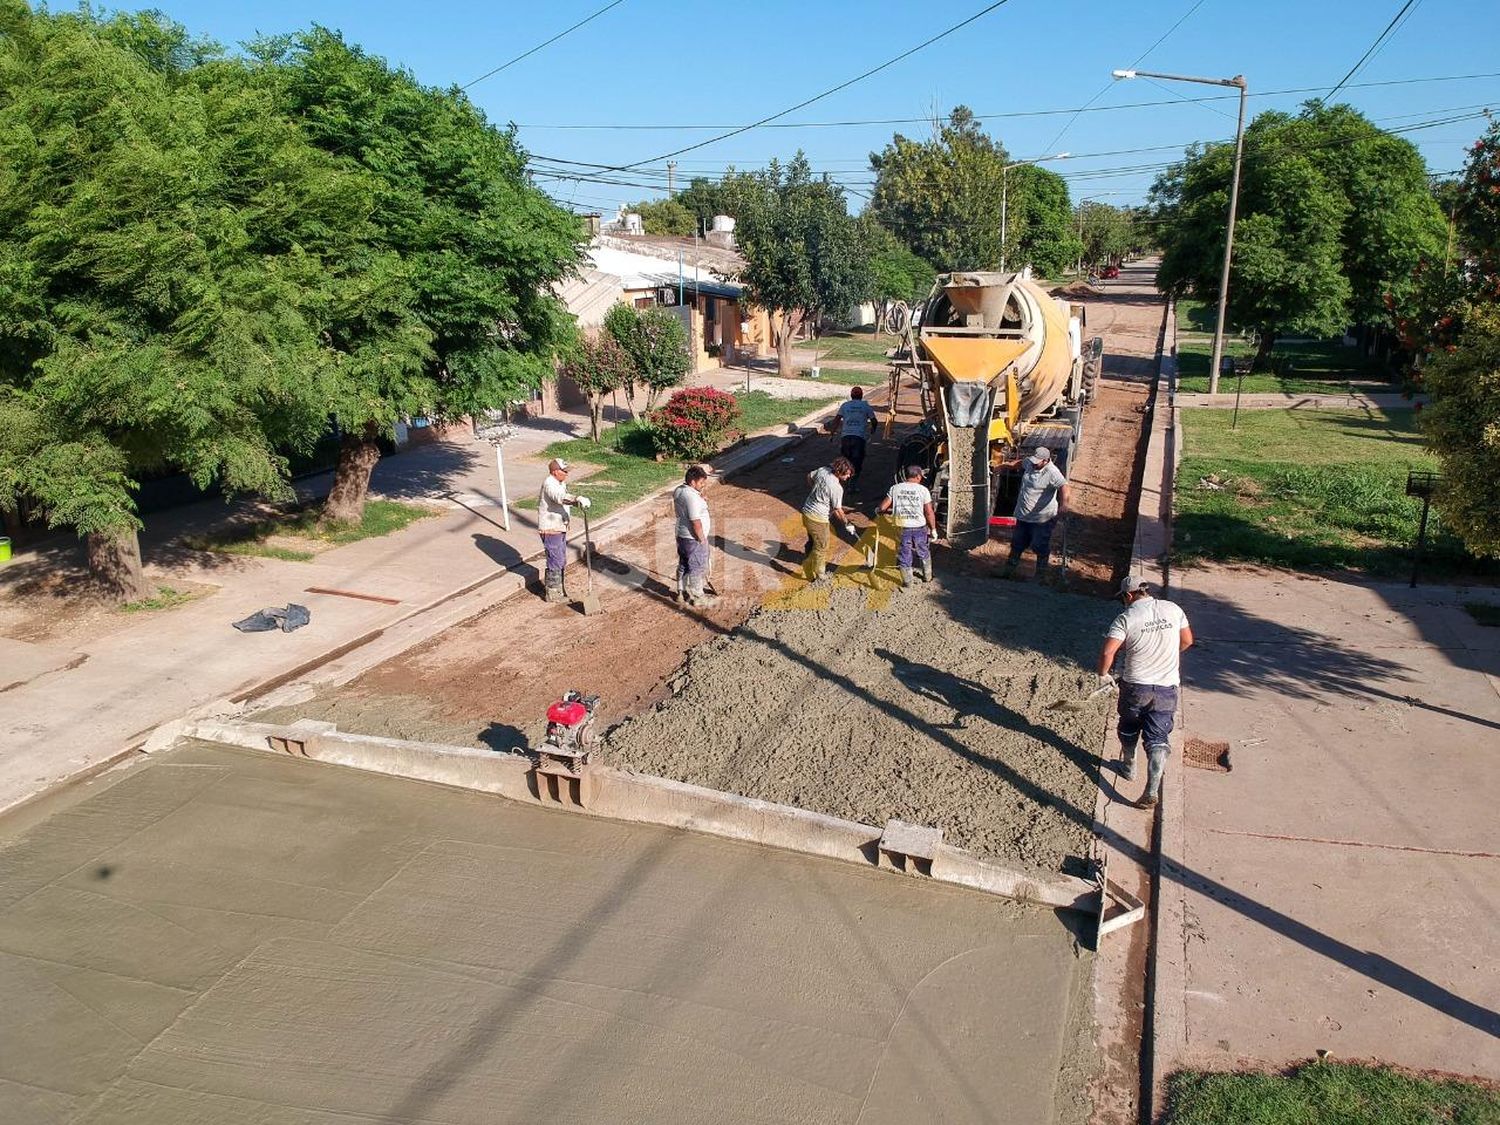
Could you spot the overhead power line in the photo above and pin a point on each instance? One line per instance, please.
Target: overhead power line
(1375, 46)
(826, 93)
(546, 43)
(773, 124)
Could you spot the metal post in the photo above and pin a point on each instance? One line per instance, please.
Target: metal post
(679, 279)
(1416, 563)
(504, 496)
(1004, 200)
(671, 178)
(1239, 387)
(1234, 199)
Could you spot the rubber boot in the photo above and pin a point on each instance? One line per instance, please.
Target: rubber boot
(554, 585)
(696, 595)
(682, 590)
(927, 569)
(906, 578)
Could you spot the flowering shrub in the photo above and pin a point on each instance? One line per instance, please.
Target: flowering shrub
(694, 423)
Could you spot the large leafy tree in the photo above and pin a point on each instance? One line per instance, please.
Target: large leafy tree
(943, 198)
(1288, 272)
(665, 216)
(1460, 331)
(896, 274)
(803, 252)
(1335, 217)
(1047, 241)
(458, 311)
(166, 258)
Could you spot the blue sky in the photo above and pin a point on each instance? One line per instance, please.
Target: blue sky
(654, 62)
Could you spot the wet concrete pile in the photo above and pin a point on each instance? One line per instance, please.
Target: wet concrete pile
(933, 708)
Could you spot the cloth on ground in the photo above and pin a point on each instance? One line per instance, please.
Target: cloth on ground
(287, 619)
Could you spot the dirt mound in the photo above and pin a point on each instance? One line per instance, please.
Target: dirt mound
(932, 709)
(1076, 290)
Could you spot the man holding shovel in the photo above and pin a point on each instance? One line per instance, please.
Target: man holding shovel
(552, 516)
(693, 527)
(1153, 634)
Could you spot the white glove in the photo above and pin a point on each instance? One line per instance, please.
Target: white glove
(583, 503)
(1106, 680)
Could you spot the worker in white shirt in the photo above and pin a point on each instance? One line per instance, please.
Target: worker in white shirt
(1152, 634)
(824, 503)
(693, 529)
(552, 516)
(910, 506)
(1043, 497)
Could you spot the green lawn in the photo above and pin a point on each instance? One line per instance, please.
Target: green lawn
(381, 517)
(1314, 367)
(1326, 1093)
(857, 346)
(628, 468)
(1306, 489)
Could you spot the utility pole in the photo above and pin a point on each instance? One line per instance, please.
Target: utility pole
(1238, 82)
(671, 178)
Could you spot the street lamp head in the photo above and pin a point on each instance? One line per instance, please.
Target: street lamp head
(1060, 156)
(1123, 73)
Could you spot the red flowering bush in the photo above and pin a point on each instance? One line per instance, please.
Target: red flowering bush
(694, 423)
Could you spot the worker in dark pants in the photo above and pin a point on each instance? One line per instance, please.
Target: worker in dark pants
(854, 424)
(1152, 634)
(1042, 498)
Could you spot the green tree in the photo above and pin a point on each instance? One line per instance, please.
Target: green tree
(803, 253)
(1047, 240)
(656, 342)
(1108, 233)
(599, 366)
(1462, 425)
(896, 274)
(944, 197)
(665, 216)
(729, 195)
(166, 266)
(458, 312)
(1288, 271)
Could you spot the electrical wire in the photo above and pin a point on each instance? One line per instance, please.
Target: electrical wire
(547, 43)
(631, 127)
(826, 93)
(1375, 46)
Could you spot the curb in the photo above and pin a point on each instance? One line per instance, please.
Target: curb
(618, 794)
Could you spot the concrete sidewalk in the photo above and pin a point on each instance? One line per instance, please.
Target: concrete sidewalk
(1339, 889)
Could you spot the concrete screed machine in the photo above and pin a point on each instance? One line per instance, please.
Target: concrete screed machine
(1002, 368)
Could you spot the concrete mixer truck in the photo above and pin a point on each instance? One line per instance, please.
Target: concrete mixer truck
(1002, 367)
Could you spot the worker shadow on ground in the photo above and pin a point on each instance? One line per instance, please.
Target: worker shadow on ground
(503, 555)
(1236, 647)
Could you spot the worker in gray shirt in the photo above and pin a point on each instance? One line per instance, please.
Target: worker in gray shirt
(1152, 634)
(1042, 498)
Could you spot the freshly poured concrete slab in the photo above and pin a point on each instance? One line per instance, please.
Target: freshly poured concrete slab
(229, 936)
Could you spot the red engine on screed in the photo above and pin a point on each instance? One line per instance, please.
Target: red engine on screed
(570, 721)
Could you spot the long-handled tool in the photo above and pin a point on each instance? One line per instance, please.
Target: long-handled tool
(1082, 704)
(590, 603)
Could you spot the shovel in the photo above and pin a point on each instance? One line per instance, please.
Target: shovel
(1081, 704)
(590, 601)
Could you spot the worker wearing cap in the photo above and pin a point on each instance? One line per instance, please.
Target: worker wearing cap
(824, 503)
(910, 505)
(693, 528)
(855, 422)
(1152, 634)
(552, 505)
(1042, 498)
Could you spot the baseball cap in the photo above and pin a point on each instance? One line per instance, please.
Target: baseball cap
(558, 463)
(1041, 455)
(1133, 584)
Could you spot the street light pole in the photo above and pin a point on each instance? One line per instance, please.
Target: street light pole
(1238, 83)
(1005, 199)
